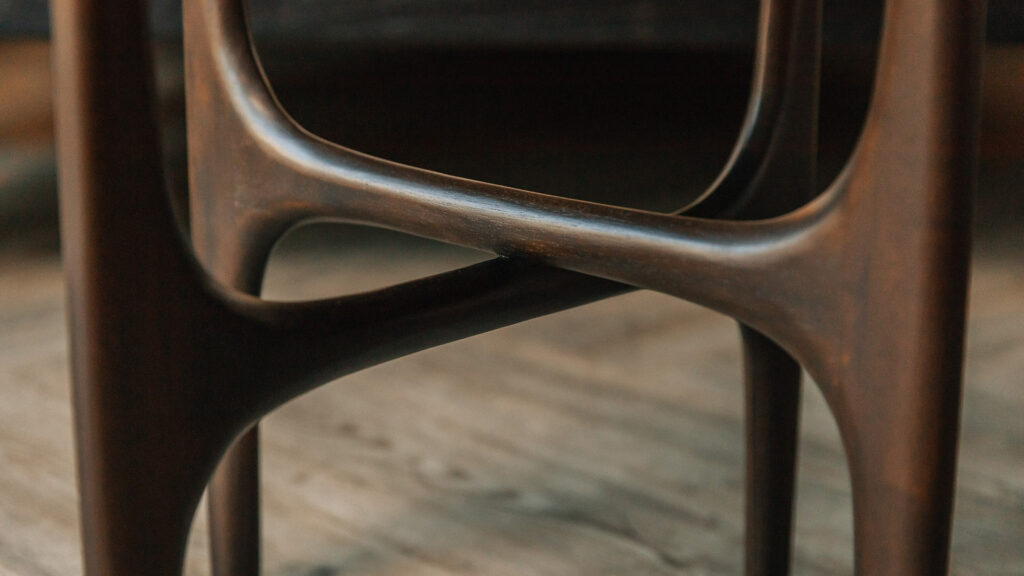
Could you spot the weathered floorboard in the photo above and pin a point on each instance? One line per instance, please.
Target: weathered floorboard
(605, 440)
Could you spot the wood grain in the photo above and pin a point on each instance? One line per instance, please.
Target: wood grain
(605, 440)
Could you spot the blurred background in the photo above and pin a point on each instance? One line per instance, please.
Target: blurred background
(603, 440)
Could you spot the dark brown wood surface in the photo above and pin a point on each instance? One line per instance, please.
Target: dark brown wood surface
(181, 364)
(879, 329)
(771, 171)
(529, 449)
(37, 536)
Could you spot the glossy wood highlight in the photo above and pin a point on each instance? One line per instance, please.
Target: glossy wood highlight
(181, 363)
(770, 172)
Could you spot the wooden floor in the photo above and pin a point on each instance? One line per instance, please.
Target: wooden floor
(603, 440)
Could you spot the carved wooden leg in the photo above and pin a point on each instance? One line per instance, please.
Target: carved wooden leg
(233, 495)
(903, 480)
(144, 444)
(772, 171)
(234, 508)
(772, 382)
(865, 285)
(900, 428)
(138, 478)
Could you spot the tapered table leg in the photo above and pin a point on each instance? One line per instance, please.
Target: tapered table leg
(772, 384)
(234, 508)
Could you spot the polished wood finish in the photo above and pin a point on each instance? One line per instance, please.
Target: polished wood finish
(182, 363)
(603, 440)
(771, 171)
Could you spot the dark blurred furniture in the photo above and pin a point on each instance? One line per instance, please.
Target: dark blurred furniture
(511, 22)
